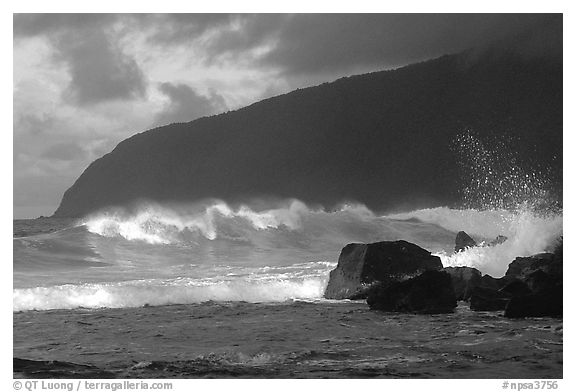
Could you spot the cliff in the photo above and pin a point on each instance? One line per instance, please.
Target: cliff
(381, 138)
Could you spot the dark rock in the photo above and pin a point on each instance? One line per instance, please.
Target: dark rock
(463, 241)
(488, 299)
(521, 267)
(498, 240)
(464, 279)
(431, 292)
(545, 303)
(558, 248)
(361, 265)
(539, 280)
(494, 294)
(543, 274)
(494, 283)
(532, 286)
(516, 288)
(56, 369)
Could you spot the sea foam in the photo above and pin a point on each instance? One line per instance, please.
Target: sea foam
(157, 224)
(166, 292)
(528, 233)
(161, 255)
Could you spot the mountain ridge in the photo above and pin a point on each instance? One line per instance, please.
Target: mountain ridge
(354, 139)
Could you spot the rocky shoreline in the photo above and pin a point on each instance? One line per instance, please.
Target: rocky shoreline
(398, 276)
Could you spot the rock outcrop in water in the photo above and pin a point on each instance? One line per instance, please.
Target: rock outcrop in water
(547, 302)
(362, 265)
(490, 282)
(516, 288)
(431, 292)
(508, 292)
(497, 296)
(463, 241)
(26, 368)
(399, 276)
(382, 139)
(464, 280)
(487, 299)
(543, 276)
(500, 239)
(540, 280)
(522, 267)
(531, 287)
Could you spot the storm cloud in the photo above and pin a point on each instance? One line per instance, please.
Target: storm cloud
(85, 82)
(31, 25)
(98, 68)
(295, 44)
(186, 104)
(316, 43)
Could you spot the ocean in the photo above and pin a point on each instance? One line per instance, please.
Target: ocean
(214, 290)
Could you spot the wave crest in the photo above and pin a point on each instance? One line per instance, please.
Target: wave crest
(167, 292)
(528, 233)
(157, 224)
(219, 253)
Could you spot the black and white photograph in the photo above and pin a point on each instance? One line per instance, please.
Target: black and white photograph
(336, 195)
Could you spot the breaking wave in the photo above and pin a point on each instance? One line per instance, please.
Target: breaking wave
(160, 254)
(167, 292)
(528, 233)
(157, 224)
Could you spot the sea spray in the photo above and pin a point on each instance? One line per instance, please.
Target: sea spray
(157, 224)
(163, 255)
(494, 177)
(159, 254)
(501, 195)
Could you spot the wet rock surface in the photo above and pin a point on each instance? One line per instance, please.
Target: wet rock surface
(431, 292)
(361, 265)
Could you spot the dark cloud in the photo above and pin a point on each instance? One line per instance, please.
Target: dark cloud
(176, 29)
(30, 25)
(99, 70)
(297, 44)
(326, 43)
(315, 43)
(217, 37)
(186, 104)
(247, 32)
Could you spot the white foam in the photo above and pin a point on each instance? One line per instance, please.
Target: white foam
(156, 224)
(288, 233)
(487, 223)
(166, 292)
(527, 233)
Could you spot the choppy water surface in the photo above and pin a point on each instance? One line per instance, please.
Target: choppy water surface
(216, 291)
(291, 339)
(162, 255)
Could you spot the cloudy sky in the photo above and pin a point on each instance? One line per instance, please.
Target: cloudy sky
(84, 82)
